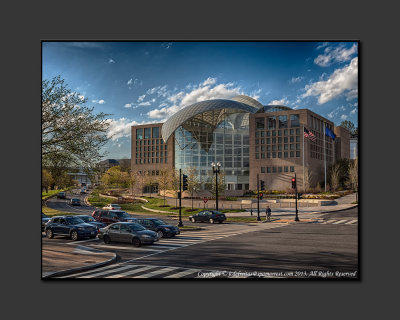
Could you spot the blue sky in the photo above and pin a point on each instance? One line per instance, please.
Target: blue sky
(141, 82)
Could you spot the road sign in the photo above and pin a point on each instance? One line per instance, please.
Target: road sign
(205, 200)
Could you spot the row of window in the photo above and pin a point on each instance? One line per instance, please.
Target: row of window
(273, 122)
(152, 148)
(149, 142)
(318, 124)
(278, 147)
(285, 154)
(279, 133)
(148, 133)
(151, 160)
(152, 154)
(279, 140)
(277, 169)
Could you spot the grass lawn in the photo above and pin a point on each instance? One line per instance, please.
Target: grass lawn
(52, 212)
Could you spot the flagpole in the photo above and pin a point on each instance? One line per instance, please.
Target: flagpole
(304, 188)
(324, 155)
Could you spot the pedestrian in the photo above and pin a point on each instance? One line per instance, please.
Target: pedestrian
(268, 214)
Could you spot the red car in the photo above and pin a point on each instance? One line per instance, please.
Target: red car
(112, 216)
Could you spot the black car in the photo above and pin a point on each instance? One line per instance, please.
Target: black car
(75, 202)
(112, 216)
(45, 219)
(162, 228)
(211, 216)
(127, 232)
(92, 221)
(70, 226)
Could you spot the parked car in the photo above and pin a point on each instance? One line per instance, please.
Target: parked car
(127, 232)
(112, 206)
(92, 221)
(45, 219)
(208, 215)
(70, 226)
(162, 228)
(83, 190)
(75, 202)
(112, 216)
(61, 195)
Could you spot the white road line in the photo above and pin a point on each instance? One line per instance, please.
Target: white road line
(183, 273)
(82, 241)
(135, 271)
(329, 221)
(105, 272)
(156, 272)
(127, 248)
(351, 222)
(340, 221)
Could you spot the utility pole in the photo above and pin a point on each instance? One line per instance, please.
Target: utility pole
(258, 198)
(297, 217)
(180, 224)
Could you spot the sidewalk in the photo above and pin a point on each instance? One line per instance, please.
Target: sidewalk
(61, 259)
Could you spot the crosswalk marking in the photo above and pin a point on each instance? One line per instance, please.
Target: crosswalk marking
(340, 221)
(183, 273)
(91, 271)
(131, 272)
(126, 248)
(156, 272)
(351, 222)
(105, 272)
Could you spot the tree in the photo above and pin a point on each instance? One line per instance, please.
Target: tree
(349, 126)
(353, 175)
(115, 177)
(71, 133)
(164, 180)
(334, 174)
(150, 180)
(175, 184)
(194, 183)
(47, 180)
(308, 179)
(210, 184)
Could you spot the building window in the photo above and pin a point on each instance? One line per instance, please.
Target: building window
(271, 122)
(165, 147)
(262, 155)
(291, 139)
(297, 138)
(274, 169)
(283, 121)
(285, 132)
(257, 141)
(291, 169)
(279, 169)
(139, 133)
(291, 146)
(268, 169)
(297, 154)
(262, 133)
(274, 133)
(292, 154)
(156, 132)
(273, 140)
(268, 155)
(274, 147)
(257, 156)
(279, 147)
(286, 169)
(268, 133)
(262, 141)
(273, 154)
(262, 148)
(257, 149)
(257, 134)
(297, 131)
(279, 154)
(262, 169)
(291, 132)
(280, 140)
(294, 120)
(260, 123)
(147, 133)
(268, 148)
(297, 146)
(285, 154)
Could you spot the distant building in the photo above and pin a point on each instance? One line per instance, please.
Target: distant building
(354, 146)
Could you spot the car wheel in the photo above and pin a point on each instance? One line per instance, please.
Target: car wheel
(160, 234)
(211, 220)
(220, 221)
(49, 233)
(136, 242)
(106, 239)
(74, 235)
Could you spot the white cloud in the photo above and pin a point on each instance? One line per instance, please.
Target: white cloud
(167, 45)
(120, 128)
(206, 90)
(128, 105)
(354, 111)
(111, 61)
(101, 101)
(338, 54)
(342, 81)
(322, 45)
(147, 103)
(130, 81)
(141, 98)
(343, 117)
(282, 102)
(296, 79)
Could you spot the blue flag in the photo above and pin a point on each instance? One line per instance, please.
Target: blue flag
(329, 133)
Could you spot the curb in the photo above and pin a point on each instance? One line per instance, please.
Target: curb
(352, 207)
(84, 268)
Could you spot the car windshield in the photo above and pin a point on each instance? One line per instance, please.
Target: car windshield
(216, 212)
(122, 214)
(75, 199)
(158, 222)
(136, 227)
(74, 220)
(87, 218)
(114, 205)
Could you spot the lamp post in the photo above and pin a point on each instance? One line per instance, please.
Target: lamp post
(216, 170)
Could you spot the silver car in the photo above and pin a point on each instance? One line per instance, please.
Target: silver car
(127, 232)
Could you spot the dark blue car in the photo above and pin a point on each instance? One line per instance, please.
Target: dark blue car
(92, 221)
(70, 226)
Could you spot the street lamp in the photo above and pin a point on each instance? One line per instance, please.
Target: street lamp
(216, 170)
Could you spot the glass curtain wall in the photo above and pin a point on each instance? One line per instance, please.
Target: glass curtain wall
(215, 136)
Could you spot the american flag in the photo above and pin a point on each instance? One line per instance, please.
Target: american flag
(309, 135)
